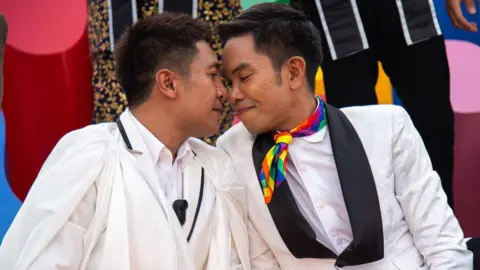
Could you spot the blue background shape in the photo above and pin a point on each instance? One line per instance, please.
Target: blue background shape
(9, 204)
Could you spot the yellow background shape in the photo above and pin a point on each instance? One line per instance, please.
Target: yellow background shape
(383, 87)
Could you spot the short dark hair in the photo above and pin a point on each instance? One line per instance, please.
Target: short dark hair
(280, 32)
(165, 40)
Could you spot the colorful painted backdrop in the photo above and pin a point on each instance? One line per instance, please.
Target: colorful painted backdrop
(47, 89)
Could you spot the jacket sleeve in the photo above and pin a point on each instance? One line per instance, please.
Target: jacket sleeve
(66, 249)
(436, 231)
(260, 254)
(48, 231)
(237, 205)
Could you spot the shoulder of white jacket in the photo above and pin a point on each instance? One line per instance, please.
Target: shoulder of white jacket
(235, 135)
(371, 109)
(100, 134)
(372, 113)
(82, 149)
(213, 159)
(203, 149)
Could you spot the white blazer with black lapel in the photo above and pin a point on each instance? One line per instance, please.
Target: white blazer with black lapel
(215, 218)
(371, 146)
(196, 224)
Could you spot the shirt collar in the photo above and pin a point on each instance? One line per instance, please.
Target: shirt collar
(315, 137)
(156, 147)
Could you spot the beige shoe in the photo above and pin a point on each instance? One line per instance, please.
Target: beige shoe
(3, 41)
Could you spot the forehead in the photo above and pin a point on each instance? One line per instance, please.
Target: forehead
(241, 50)
(205, 56)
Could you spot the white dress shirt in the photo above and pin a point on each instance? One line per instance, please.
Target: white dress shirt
(169, 171)
(313, 180)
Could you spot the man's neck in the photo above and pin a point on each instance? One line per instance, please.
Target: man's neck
(300, 111)
(163, 127)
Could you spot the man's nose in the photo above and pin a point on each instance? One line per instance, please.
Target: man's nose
(221, 90)
(235, 94)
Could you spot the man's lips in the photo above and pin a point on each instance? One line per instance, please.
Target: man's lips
(240, 111)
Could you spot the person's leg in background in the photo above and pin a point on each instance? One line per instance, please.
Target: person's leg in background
(351, 80)
(420, 75)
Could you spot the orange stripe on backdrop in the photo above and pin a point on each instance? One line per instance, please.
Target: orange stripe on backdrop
(383, 87)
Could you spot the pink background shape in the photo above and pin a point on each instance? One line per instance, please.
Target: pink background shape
(464, 61)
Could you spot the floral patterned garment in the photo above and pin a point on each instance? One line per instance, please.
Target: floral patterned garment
(109, 98)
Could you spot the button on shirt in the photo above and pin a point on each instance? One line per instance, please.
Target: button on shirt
(313, 180)
(169, 171)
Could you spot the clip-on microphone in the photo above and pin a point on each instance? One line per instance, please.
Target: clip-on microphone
(179, 206)
(180, 209)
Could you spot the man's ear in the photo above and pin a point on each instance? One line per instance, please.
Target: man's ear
(166, 82)
(297, 68)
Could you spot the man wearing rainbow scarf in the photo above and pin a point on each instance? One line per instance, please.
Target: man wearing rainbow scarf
(351, 188)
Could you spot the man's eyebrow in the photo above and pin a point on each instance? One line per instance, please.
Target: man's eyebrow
(215, 64)
(240, 67)
(236, 69)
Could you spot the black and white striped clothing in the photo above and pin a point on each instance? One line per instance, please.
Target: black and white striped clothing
(344, 31)
(123, 13)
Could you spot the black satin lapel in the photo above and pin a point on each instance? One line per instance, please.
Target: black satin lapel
(260, 148)
(359, 192)
(296, 232)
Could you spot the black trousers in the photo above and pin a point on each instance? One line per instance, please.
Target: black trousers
(419, 73)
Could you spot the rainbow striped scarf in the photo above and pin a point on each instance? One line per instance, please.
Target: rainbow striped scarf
(275, 163)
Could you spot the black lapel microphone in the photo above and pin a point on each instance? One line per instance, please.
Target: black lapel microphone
(180, 209)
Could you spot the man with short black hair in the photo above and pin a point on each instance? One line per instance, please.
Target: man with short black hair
(141, 193)
(351, 188)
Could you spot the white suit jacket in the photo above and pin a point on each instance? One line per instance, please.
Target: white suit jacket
(98, 205)
(419, 228)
